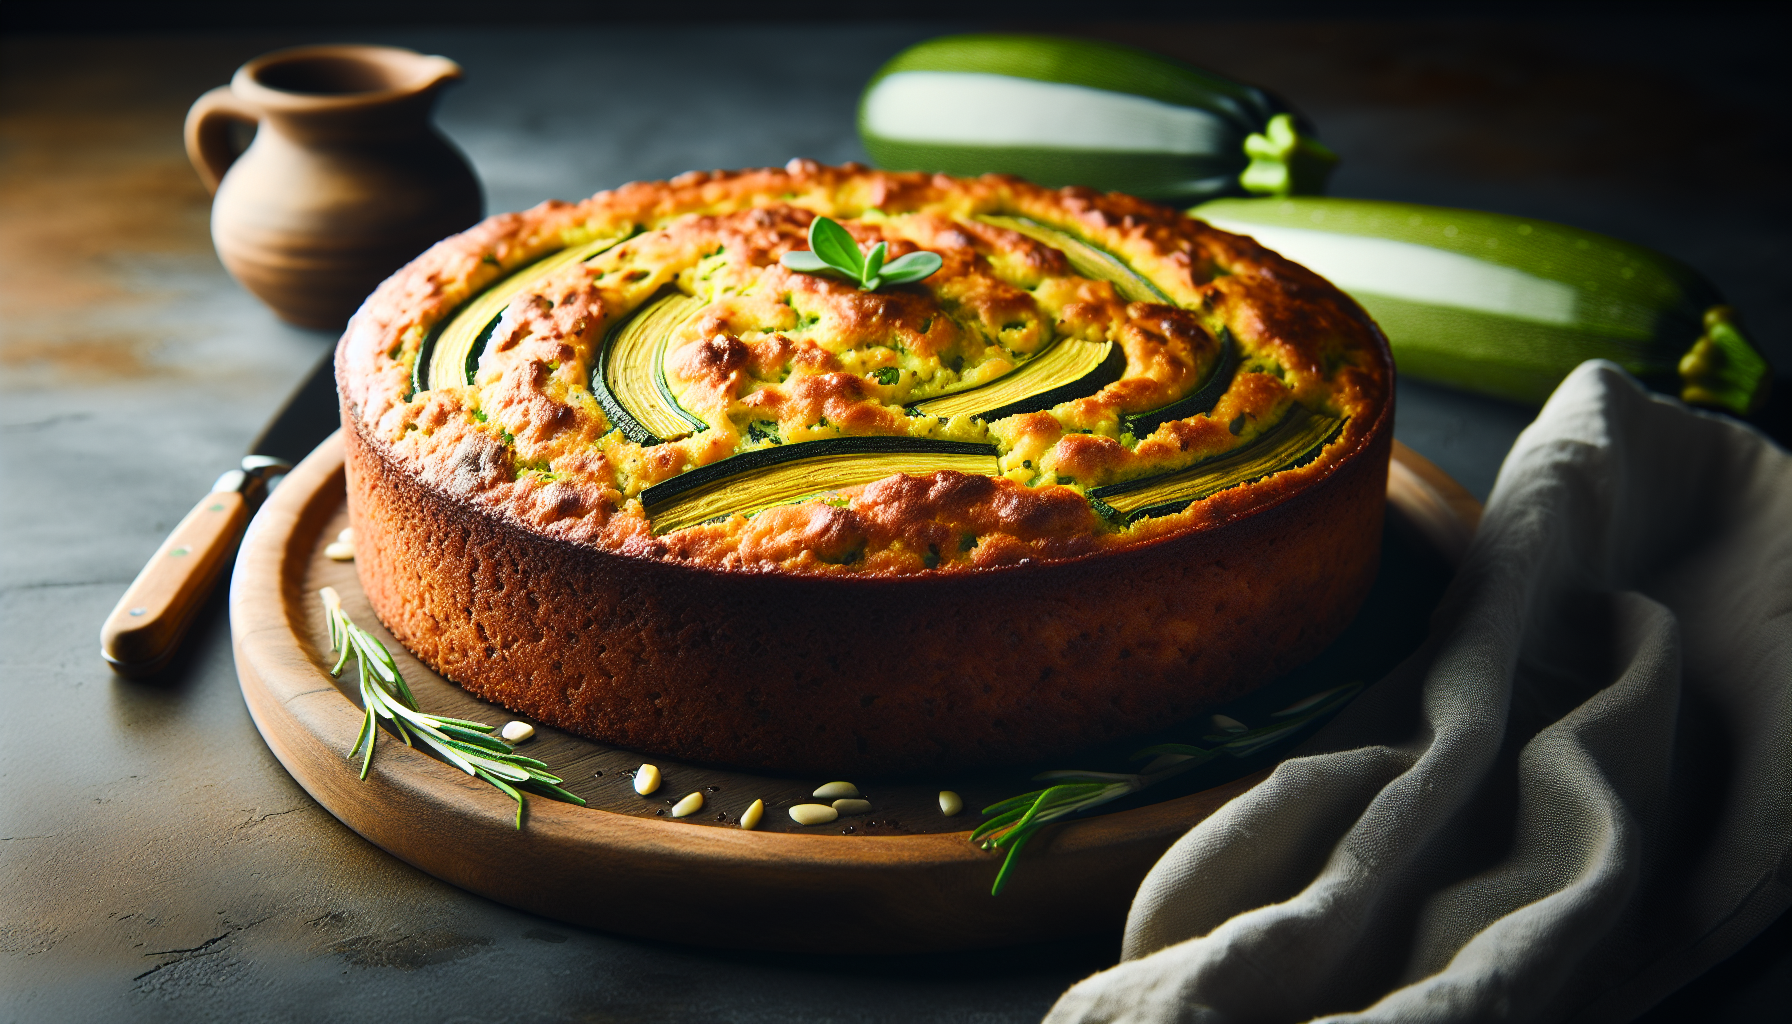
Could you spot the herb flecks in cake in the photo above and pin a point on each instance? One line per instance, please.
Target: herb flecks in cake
(1056, 325)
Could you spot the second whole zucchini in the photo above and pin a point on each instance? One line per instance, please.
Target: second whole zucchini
(1507, 306)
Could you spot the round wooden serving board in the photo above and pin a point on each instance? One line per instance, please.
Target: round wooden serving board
(901, 878)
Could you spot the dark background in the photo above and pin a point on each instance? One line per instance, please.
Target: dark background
(156, 861)
(123, 15)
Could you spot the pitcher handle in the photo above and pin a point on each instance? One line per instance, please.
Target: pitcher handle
(208, 133)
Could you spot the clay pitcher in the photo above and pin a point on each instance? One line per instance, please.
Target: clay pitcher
(346, 180)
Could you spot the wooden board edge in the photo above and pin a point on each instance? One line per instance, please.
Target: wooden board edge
(1443, 512)
(684, 883)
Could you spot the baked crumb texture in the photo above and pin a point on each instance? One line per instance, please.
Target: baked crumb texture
(778, 357)
(914, 623)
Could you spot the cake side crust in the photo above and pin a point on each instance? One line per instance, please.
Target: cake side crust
(875, 676)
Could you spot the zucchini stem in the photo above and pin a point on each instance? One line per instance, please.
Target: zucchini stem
(1284, 162)
(1722, 369)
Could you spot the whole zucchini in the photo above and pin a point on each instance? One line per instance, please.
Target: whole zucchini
(1505, 305)
(1075, 112)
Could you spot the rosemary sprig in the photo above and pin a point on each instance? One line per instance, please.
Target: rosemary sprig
(832, 250)
(463, 744)
(1020, 818)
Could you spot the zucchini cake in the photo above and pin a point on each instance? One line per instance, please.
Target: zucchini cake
(615, 466)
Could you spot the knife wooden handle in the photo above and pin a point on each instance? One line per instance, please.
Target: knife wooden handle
(142, 633)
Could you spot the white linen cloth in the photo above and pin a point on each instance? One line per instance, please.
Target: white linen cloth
(1575, 798)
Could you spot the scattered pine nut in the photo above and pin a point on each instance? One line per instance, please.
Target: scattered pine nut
(517, 732)
(1226, 723)
(950, 803)
(835, 790)
(852, 805)
(813, 814)
(750, 820)
(339, 552)
(688, 806)
(647, 779)
(347, 536)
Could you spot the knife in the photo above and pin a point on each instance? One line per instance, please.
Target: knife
(141, 635)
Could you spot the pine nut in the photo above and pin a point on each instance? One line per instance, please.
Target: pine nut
(347, 536)
(750, 820)
(852, 805)
(517, 732)
(688, 806)
(835, 790)
(950, 803)
(813, 814)
(647, 779)
(340, 552)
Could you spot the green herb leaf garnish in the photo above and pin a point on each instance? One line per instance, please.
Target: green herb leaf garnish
(833, 251)
(463, 744)
(1019, 818)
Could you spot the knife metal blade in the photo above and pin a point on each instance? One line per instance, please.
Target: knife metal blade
(309, 415)
(143, 632)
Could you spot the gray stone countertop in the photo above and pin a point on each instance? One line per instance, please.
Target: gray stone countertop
(156, 861)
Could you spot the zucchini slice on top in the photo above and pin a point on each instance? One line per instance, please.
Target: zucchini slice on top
(1098, 264)
(1202, 401)
(629, 378)
(1070, 369)
(450, 355)
(758, 479)
(1293, 442)
(1088, 260)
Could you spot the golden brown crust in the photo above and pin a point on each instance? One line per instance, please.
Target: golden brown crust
(910, 624)
(868, 675)
(797, 357)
